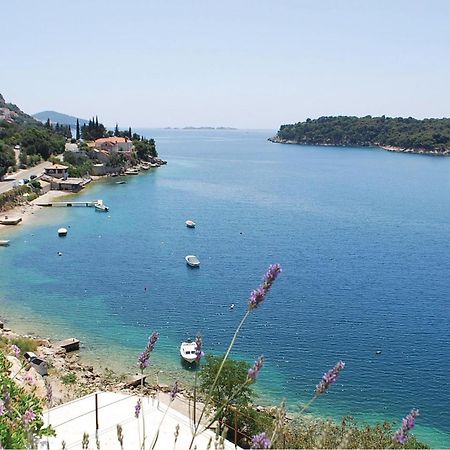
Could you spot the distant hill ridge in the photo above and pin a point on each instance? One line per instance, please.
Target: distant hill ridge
(11, 113)
(56, 117)
(427, 136)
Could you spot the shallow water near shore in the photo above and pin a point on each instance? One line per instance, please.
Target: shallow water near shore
(362, 235)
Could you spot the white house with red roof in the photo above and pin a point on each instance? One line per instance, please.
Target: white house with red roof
(114, 144)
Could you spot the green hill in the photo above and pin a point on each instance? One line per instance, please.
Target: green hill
(56, 117)
(427, 136)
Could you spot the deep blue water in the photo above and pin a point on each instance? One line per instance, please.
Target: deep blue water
(363, 237)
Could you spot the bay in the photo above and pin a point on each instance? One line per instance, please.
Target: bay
(362, 235)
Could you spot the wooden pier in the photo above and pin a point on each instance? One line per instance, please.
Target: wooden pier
(89, 203)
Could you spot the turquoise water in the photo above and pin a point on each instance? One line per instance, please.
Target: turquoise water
(362, 236)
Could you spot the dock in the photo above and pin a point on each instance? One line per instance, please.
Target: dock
(88, 203)
(70, 345)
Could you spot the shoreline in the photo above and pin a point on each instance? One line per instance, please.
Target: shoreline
(389, 148)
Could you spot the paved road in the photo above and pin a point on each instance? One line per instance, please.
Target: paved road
(21, 174)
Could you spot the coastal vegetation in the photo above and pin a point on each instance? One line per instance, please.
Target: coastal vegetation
(424, 136)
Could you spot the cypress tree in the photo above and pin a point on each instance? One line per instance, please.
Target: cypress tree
(129, 132)
(78, 130)
(116, 131)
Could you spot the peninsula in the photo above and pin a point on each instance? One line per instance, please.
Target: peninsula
(409, 135)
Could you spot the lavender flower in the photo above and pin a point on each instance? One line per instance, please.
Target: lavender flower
(15, 350)
(137, 408)
(401, 435)
(2, 408)
(174, 391)
(29, 416)
(28, 378)
(198, 348)
(260, 441)
(253, 371)
(329, 378)
(259, 294)
(144, 357)
(49, 391)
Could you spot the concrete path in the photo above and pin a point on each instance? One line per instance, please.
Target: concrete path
(73, 419)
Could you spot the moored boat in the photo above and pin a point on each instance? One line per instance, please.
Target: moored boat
(192, 261)
(188, 351)
(4, 242)
(100, 206)
(132, 172)
(190, 223)
(10, 221)
(62, 232)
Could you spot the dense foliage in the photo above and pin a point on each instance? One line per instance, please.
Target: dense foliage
(93, 130)
(20, 412)
(428, 134)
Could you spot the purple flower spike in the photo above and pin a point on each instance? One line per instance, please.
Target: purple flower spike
(29, 416)
(258, 295)
(137, 408)
(174, 391)
(253, 371)
(15, 350)
(260, 441)
(2, 408)
(144, 357)
(401, 435)
(198, 348)
(329, 378)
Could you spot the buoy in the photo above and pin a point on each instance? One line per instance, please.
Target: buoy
(59, 254)
(378, 352)
(232, 306)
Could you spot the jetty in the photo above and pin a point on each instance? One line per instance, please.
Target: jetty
(70, 345)
(88, 203)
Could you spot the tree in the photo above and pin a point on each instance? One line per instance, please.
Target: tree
(116, 130)
(7, 158)
(129, 132)
(231, 390)
(78, 135)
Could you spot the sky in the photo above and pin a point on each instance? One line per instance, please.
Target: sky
(237, 63)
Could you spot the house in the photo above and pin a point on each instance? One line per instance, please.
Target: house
(68, 184)
(114, 144)
(57, 171)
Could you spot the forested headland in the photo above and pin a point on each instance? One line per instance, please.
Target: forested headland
(428, 136)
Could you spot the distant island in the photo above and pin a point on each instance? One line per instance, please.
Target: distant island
(409, 135)
(57, 117)
(200, 128)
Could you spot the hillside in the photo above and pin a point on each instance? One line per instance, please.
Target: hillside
(427, 136)
(56, 117)
(11, 113)
(36, 142)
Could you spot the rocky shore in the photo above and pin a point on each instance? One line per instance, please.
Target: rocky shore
(389, 148)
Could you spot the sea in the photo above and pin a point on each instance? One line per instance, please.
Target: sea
(362, 235)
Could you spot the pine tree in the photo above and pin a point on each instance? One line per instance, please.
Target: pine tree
(48, 124)
(78, 131)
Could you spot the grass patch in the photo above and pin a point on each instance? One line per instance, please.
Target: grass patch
(69, 378)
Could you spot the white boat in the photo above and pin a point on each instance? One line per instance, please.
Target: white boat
(190, 223)
(62, 231)
(132, 172)
(100, 206)
(9, 221)
(192, 260)
(4, 242)
(187, 351)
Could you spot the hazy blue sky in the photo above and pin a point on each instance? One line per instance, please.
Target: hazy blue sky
(242, 63)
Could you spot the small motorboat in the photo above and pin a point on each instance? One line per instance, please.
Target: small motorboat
(10, 221)
(121, 182)
(100, 206)
(4, 242)
(188, 351)
(132, 172)
(190, 223)
(62, 232)
(192, 261)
